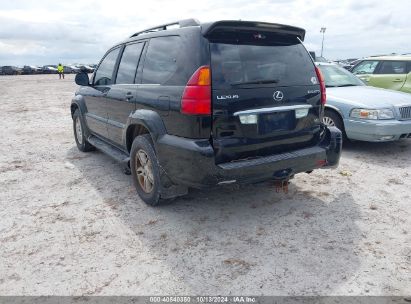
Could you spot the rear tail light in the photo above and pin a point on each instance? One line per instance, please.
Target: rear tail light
(196, 98)
(322, 85)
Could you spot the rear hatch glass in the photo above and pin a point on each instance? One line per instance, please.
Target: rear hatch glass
(265, 92)
(280, 63)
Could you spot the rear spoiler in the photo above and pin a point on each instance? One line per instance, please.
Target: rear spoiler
(207, 29)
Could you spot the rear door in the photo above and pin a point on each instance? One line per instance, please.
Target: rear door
(265, 95)
(389, 75)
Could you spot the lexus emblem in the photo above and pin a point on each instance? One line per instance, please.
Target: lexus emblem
(278, 95)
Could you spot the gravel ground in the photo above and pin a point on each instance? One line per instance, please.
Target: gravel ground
(72, 224)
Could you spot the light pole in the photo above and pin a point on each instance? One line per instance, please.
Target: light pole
(322, 44)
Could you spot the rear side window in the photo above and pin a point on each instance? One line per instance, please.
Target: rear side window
(161, 60)
(393, 67)
(365, 67)
(282, 63)
(128, 64)
(105, 70)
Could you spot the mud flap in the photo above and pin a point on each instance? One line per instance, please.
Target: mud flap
(168, 189)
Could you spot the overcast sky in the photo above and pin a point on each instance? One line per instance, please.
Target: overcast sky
(51, 31)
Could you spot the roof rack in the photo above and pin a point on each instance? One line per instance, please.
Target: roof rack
(181, 23)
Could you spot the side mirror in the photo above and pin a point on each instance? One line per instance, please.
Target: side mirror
(82, 79)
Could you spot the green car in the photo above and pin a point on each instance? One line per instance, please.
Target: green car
(388, 72)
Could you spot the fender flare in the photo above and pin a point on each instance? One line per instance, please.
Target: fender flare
(151, 120)
(78, 101)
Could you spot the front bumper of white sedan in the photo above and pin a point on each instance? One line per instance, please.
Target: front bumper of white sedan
(377, 130)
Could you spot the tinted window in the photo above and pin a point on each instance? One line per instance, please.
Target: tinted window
(393, 67)
(105, 70)
(286, 63)
(161, 59)
(365, 67)
(128, 64)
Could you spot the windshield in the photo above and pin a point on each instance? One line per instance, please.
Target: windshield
(338, 77)
(280, 64)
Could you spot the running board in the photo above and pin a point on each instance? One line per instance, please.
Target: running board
(108, 149)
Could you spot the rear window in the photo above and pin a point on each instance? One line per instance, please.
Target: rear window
(285, 64)
(161, 60)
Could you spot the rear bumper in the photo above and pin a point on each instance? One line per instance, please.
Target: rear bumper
(379, 130)
(191, 162)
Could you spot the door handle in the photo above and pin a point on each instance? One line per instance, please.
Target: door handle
(129, 96)
(397, 80)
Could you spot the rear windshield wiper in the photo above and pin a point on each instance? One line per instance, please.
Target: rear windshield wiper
(262, 81)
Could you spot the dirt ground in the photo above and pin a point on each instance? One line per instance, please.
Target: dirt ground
(72, 224)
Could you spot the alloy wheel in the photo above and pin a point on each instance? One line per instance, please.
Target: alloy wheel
(328, 121)
(79, 131)
(144, 171)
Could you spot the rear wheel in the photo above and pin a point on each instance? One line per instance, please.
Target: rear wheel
(145, 170)
(79, 135)
(332, 119)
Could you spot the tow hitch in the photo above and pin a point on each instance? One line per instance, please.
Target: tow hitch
(281, 185)
(281, 179)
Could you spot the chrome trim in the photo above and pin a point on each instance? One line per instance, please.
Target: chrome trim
(405, 112)
(273, 109)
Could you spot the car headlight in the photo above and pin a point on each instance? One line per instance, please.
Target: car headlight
(372, 114)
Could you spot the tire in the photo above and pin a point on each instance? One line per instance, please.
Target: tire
(79, 135)
(333, 119)
(145, 170)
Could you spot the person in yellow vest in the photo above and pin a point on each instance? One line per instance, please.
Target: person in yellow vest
(60, 70)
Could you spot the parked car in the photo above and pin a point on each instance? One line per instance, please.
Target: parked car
(389, 72)
(350, 64)
(362, 112)
(85, 68)
(49, 69)
(74, 69)
(10, 70)
(31, 69)
(200, 105)
(70, 69)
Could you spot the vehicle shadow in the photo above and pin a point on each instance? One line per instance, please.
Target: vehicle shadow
(237, 239)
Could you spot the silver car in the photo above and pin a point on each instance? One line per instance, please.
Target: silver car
(362, 112)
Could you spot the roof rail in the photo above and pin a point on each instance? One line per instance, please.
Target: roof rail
(181, 23)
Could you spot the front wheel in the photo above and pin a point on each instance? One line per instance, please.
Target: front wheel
(145, 170)
(79, 135)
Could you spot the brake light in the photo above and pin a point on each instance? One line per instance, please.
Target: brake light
(322, 85)
(196, 98)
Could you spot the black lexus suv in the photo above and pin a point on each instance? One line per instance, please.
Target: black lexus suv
(192, 104)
